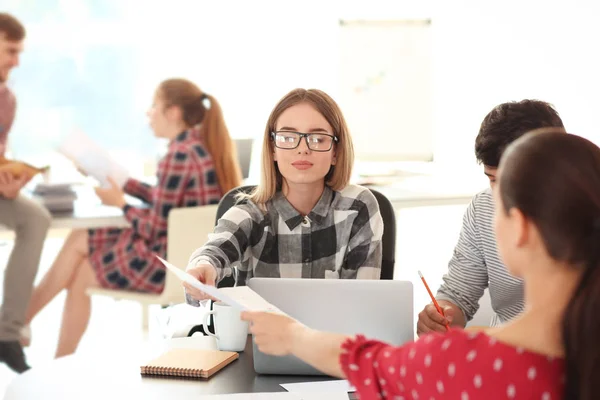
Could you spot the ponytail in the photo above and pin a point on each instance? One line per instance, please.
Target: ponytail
(201, 108)
(215, 136)
(581, 331)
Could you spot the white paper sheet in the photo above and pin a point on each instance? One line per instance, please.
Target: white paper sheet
(92, 159)
(323, 396)
(278, 396)
(251, 396)
(340, 386)
(241, 297)
(248, 298)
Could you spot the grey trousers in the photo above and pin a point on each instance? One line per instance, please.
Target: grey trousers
(30, 222)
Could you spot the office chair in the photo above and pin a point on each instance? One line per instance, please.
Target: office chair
(187, 229)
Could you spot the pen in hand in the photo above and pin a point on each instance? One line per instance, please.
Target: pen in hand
(435, 303)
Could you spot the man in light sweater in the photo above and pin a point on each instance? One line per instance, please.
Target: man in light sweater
(475, 264)
(27, 219)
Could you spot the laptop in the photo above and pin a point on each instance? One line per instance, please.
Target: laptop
(381, 309)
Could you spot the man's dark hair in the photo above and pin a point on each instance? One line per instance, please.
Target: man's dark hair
(12, 29)
(508, 122)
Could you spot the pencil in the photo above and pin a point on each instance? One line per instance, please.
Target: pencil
(435, 303)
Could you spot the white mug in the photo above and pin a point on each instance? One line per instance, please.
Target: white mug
(231, 332)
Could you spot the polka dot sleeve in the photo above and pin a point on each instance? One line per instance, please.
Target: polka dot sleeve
(368, 366)
(457, 365)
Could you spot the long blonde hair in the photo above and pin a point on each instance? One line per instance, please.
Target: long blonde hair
(338, 176)
(201, 108)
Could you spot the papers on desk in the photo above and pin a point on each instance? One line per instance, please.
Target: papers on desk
(335, 386)
(241, 297)
(279, 396)
(92, 159)
(55, 197)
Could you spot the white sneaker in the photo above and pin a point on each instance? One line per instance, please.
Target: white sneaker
(25, 339)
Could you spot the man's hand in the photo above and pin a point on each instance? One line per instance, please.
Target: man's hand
(10, 187)
(430, 319)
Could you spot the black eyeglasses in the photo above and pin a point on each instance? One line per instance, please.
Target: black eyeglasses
(315, 141)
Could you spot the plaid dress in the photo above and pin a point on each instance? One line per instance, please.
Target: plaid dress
(125, 258)
(339, 238)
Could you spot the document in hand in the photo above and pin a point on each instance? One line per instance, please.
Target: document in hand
(279, 396)
(333, 386)
(92, 159)
(241, 297)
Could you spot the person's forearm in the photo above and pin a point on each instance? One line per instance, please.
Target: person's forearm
(320, 349)
(459, 319)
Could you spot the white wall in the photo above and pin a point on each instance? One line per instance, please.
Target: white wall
(249, 54)
(485, 53)
(488, 52)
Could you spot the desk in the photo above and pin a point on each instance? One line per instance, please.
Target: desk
(86, 215)
(117, 376)
(427, 191)
(94, 215)
(89, 212)
(406, 198)
(421, 184)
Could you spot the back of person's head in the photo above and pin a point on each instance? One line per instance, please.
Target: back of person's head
(508, 122)
(338, 176)
(554, 180)
(198, 108)
(10, 28)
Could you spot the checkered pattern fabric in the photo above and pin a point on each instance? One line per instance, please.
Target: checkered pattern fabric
(339, 238)
(125, 258)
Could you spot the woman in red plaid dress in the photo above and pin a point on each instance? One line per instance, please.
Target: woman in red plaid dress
(200, 165)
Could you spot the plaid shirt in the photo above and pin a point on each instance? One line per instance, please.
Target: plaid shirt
(125, 258)
(186, 178)
(339, 238)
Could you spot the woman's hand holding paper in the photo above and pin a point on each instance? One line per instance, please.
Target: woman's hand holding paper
(113, 195)
(275, 333)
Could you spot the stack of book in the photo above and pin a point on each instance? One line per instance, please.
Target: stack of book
(56, 197)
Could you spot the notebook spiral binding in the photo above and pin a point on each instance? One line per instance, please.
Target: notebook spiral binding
(183, 372)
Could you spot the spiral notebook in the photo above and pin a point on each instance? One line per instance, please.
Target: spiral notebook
(189, 363)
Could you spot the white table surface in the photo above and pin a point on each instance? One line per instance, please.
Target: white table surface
(89, 216)
(114, 373)
(96, 375)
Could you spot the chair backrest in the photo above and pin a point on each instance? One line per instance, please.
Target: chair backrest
(187, 229)
(228, 201)
(244, 153)
(388, 241)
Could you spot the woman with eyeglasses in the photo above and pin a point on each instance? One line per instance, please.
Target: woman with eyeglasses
(303, 220)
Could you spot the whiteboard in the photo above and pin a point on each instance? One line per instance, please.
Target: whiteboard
(385, 88)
